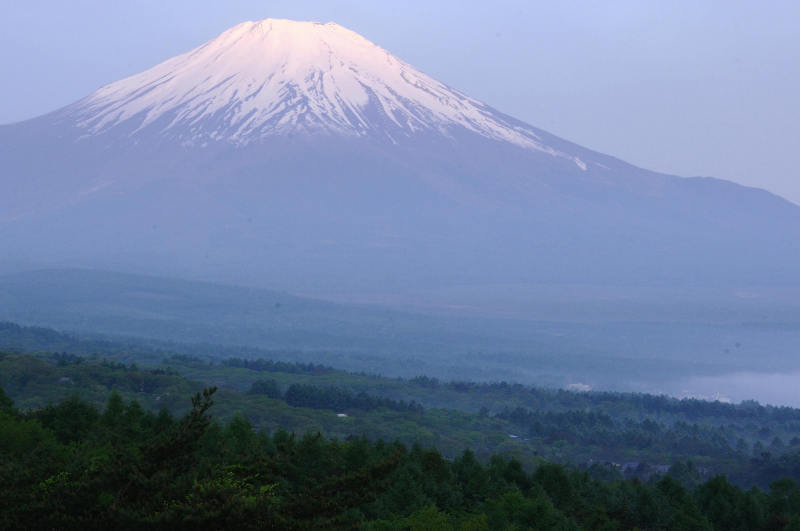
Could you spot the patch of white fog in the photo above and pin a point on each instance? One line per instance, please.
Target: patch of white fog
(780, 389)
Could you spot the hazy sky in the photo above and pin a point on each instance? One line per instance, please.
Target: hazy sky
(685, 87)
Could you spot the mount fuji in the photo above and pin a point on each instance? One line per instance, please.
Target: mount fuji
(302, 155)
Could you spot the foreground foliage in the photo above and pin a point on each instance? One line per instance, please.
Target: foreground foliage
(71, 465)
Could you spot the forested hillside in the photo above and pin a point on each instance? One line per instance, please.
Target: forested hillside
(71, 465)
(611, 434)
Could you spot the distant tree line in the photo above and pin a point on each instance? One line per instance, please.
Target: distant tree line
(600, 430)
(333, 398)
(263, 365)
(554, 399)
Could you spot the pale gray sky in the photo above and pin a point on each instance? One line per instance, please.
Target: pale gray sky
(686, 87)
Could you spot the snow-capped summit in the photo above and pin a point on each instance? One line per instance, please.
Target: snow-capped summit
(271, 77)
(297, 153)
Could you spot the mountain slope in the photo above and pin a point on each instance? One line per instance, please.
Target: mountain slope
(302, 155)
